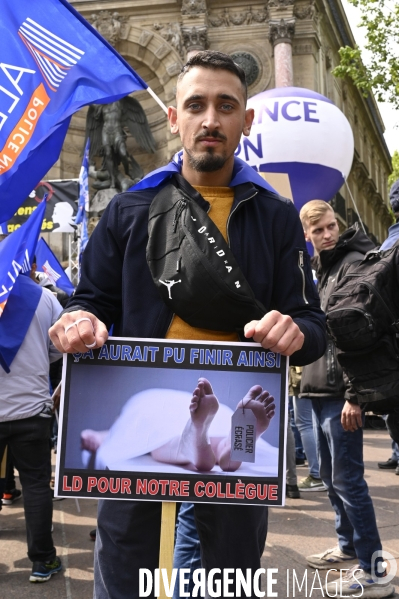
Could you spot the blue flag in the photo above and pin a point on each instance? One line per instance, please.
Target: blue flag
(17, 251)
(52, 63)
(83, 204)
(47, 262)
(84, 238)
(16, 319)
(83, 207)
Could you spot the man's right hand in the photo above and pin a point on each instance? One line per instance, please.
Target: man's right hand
(78, 338)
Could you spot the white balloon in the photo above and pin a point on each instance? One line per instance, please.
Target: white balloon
(301, 142)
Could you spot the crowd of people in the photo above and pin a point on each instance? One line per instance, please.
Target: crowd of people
(268, 242)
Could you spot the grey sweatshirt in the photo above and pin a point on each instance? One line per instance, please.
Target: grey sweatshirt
(24, 392)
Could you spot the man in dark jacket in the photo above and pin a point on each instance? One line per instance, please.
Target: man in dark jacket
(338, 423)
(266, 238)
(392, 419)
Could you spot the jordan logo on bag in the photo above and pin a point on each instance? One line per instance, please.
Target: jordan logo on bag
(169, 285)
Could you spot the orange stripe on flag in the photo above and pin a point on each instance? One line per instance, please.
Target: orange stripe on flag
(24, 129)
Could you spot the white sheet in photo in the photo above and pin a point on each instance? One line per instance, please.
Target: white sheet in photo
(151, 418)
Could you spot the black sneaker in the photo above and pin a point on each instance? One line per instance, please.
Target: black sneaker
(10, 496)
(292, 491)
(390, 464)
(93, 534)
(43, 571)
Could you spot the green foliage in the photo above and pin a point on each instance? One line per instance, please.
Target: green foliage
(380, 74)
(394, 176)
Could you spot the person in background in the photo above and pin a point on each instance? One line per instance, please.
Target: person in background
(392, 419)
(393, 462)
(304, 423)
(10, 493)
(291, 489)
(25, 416)
(338, 425)
(294, 382)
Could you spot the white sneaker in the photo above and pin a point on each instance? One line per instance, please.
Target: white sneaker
(329, 558)
(358, 583)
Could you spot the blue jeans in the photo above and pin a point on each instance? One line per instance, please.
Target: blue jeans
(395, 451)
(342, 471)
(187, 548)
(392, 423)
(304, 422)
(299, 452)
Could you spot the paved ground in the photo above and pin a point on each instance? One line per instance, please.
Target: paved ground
(303, 527)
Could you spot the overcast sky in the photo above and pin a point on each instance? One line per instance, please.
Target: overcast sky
(389, 114)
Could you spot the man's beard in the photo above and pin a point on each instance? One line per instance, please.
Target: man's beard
(207, 162)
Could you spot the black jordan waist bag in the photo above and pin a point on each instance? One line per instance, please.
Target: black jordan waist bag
(193, 267)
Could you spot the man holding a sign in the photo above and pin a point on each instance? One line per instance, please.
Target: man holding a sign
(240, 273)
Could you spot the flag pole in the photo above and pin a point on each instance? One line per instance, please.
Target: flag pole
(158, 100)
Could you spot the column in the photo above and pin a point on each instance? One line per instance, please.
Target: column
(281, 32)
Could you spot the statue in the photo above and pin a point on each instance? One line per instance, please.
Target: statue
(106, 125)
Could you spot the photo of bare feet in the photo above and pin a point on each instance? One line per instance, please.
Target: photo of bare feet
(262, 405)
(174, 421)
(203, 441)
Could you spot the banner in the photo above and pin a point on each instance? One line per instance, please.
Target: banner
(52, 64)
(61, 207)
(48, 263)
(84, 199)
(188, 421)
(16, 253)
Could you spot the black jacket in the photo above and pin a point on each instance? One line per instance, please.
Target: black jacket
(324, 378)
(264, 233)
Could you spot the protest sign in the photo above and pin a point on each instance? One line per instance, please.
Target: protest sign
(61, 206)
(167, 420)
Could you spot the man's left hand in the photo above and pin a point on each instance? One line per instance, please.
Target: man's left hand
(277, 332)
(351, 417)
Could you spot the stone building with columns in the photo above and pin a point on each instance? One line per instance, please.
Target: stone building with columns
(277, 42)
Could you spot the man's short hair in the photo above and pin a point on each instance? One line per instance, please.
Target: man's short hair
(313, 211)
(212, 59)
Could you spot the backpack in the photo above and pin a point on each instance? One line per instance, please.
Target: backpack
(193, 267)
(363, 321)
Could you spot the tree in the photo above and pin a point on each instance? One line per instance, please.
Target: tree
(394, 176)
(380, 71)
